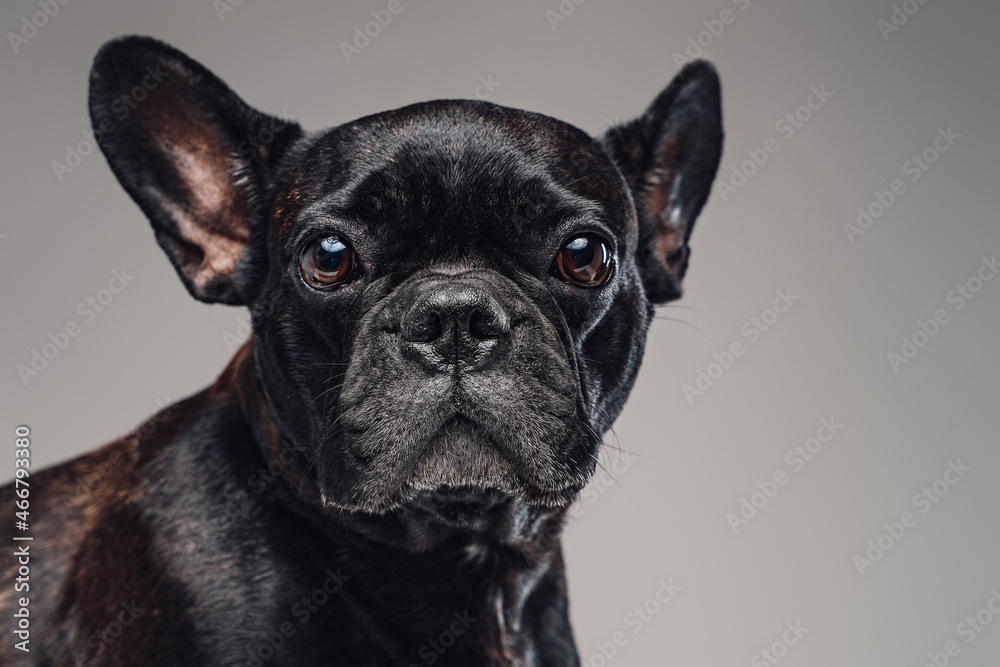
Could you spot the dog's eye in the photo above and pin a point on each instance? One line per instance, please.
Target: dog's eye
(585, 260)
(327, 262)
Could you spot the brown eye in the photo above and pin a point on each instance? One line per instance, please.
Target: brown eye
(585, 260)
(327, 262)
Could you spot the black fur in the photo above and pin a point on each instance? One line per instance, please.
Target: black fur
(402, 447)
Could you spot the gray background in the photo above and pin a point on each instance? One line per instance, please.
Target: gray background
(689, 463)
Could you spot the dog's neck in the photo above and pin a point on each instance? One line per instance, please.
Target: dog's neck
(413, 570)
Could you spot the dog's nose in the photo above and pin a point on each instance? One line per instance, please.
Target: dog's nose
(457, 325)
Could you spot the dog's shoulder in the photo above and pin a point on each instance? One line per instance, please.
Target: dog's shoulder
(92, 518)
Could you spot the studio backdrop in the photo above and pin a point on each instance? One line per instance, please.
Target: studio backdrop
(807, 470)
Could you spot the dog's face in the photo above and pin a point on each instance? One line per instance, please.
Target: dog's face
(450, 300)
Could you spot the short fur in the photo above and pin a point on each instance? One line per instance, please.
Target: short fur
(353, 490)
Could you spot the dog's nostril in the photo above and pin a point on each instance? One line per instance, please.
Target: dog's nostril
(484, 326)
(427, 327)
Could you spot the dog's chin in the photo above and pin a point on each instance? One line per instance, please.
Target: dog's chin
(470, 508)
(462, 478)
(463, 506)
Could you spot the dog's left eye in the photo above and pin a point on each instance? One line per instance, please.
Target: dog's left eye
(328, 262)
(585, 260)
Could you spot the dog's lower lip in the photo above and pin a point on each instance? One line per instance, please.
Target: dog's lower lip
(461, 505)
(470, 496)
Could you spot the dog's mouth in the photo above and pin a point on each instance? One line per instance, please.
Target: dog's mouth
(463, 474)
(465, 470)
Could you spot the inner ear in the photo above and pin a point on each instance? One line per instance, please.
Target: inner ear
(210, 211)
(669, 157)
(196, 158)
(667, 230)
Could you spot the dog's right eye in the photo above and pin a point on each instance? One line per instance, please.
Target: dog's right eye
(585, 261)
(328, 262)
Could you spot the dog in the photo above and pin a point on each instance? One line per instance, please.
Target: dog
(449, 306)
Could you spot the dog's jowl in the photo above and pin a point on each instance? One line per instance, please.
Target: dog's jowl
(449, 305)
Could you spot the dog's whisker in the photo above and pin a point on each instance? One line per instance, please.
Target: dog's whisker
(686, 323)
(327, 391)
(681, 306)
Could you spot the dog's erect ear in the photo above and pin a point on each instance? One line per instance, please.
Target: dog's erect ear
(195, 157)
(669, 157)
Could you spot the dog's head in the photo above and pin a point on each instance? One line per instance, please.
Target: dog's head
(449, 299)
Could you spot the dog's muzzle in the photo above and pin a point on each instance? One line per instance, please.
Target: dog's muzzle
(459, 381)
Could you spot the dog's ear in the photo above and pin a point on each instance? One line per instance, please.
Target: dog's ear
(195, 157)
(669, 157)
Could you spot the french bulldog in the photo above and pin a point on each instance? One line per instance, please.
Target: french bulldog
(449, 305)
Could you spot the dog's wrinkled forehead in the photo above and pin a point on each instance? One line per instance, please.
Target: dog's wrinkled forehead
(461, 173)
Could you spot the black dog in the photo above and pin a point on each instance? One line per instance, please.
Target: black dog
(449, 306)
